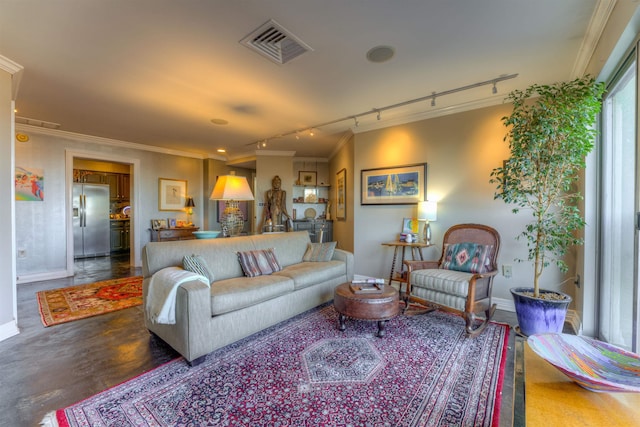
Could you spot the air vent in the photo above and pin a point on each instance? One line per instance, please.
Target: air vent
(275, 42)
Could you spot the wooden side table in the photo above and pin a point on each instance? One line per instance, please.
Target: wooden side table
(168, 234)
(378, 307)
(400, 247)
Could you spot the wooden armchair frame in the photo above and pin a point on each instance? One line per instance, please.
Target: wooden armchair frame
(480, 285)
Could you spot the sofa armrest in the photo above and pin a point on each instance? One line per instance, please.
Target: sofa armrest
(347, 258)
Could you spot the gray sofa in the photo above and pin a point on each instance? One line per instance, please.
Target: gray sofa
(235, 306)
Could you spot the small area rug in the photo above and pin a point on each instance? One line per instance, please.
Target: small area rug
(305, 372)
(78, 302)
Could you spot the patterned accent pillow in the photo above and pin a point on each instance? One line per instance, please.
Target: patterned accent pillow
(259, 262)
(197, 264)
(468, 257)
(319, 252)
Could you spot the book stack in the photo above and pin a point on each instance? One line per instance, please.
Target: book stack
(403, 237)
(369, 285)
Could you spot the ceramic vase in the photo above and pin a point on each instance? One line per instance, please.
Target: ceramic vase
(536, 315)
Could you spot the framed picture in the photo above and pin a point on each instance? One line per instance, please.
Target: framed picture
(171, 222)
(308, 177)
(400, 185)
(172, 194)
(410, 225)
(341, 195)
(157, 224)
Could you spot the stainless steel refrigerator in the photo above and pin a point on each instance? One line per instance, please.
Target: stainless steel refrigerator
(91, 220)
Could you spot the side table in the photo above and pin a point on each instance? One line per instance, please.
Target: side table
(378, 307)
(400, 247)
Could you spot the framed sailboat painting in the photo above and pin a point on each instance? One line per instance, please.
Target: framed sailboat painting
(399, 185)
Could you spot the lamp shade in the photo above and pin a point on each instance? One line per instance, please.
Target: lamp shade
(428, 210)
(231, 187)
(189, 203)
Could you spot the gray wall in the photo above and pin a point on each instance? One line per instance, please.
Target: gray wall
(43, 228)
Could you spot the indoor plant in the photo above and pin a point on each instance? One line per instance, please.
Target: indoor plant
(549, 137)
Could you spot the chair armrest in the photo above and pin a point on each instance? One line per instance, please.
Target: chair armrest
(420, 265)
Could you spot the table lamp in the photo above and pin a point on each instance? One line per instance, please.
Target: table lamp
(427, 211)
(189, 205)
(232, 189)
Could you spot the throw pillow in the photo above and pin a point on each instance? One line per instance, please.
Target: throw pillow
(468, 257)
(197, 264)
(319, 252)
(259, 262)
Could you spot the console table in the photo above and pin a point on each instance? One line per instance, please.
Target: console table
(168, 234)
(416, 249)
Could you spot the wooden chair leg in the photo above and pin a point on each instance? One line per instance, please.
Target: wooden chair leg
(471, 317)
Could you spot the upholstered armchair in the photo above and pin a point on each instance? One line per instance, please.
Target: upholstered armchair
(461, 280)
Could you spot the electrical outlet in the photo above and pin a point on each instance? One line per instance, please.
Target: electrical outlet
(506, 270)
(22, 253)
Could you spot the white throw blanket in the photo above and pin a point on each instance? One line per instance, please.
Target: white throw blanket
(163, 287)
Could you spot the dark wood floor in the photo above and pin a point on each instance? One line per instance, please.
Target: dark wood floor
(44, 369)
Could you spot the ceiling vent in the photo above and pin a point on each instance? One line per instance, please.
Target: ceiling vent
(275, 42)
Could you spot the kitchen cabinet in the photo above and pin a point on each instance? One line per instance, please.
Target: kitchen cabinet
(119, 186)
(315, 229)
(120, 235)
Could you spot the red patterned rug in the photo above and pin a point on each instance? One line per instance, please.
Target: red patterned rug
(78, 302)
(305, 372)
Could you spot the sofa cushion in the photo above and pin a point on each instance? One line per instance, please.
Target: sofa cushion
(237, 293)
(319, 252)
(307, 274)
(259, 262)
(468, 257)
(197, 264)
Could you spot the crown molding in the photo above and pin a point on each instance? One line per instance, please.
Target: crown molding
(15, 70)
(105, 141)
(592, 36)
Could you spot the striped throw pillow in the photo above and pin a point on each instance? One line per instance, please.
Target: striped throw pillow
(319, 252)
(259, 262)
(197, 264)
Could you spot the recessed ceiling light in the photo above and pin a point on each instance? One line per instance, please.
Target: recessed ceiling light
(221, 150)
(380, 54)
(220, 122)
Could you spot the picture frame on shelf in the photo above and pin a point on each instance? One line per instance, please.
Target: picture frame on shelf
(398, 185)
(410, 225)
(308, 177)
(157, 224)
(172, 222)
(341, 195)
(172, 194)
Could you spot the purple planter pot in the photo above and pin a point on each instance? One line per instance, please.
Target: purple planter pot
(539, 315)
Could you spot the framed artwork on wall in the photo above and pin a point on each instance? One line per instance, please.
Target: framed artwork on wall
(341, 195)
(172, 194)
(308, 177)
(398, 185)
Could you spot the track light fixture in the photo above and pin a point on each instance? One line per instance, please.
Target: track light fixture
(378, 111)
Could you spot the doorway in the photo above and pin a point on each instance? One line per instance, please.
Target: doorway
(120, 175)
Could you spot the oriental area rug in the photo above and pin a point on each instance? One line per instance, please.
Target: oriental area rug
(78, 302)
(305, 372)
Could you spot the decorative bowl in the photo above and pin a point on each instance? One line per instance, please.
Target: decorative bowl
(593, 364)
(206, 234)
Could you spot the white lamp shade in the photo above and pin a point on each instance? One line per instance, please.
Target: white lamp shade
(231, 187)
(428, 210)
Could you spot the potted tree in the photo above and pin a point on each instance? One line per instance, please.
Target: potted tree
(548, 137)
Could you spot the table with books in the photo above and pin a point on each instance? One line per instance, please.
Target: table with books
(366, 299)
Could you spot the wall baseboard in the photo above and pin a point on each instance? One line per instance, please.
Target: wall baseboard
(8, 330)
(28, 278)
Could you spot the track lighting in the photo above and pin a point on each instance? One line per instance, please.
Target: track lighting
(378, 111)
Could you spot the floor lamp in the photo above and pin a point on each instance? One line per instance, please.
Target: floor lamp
(427, 211)
(232, 189)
